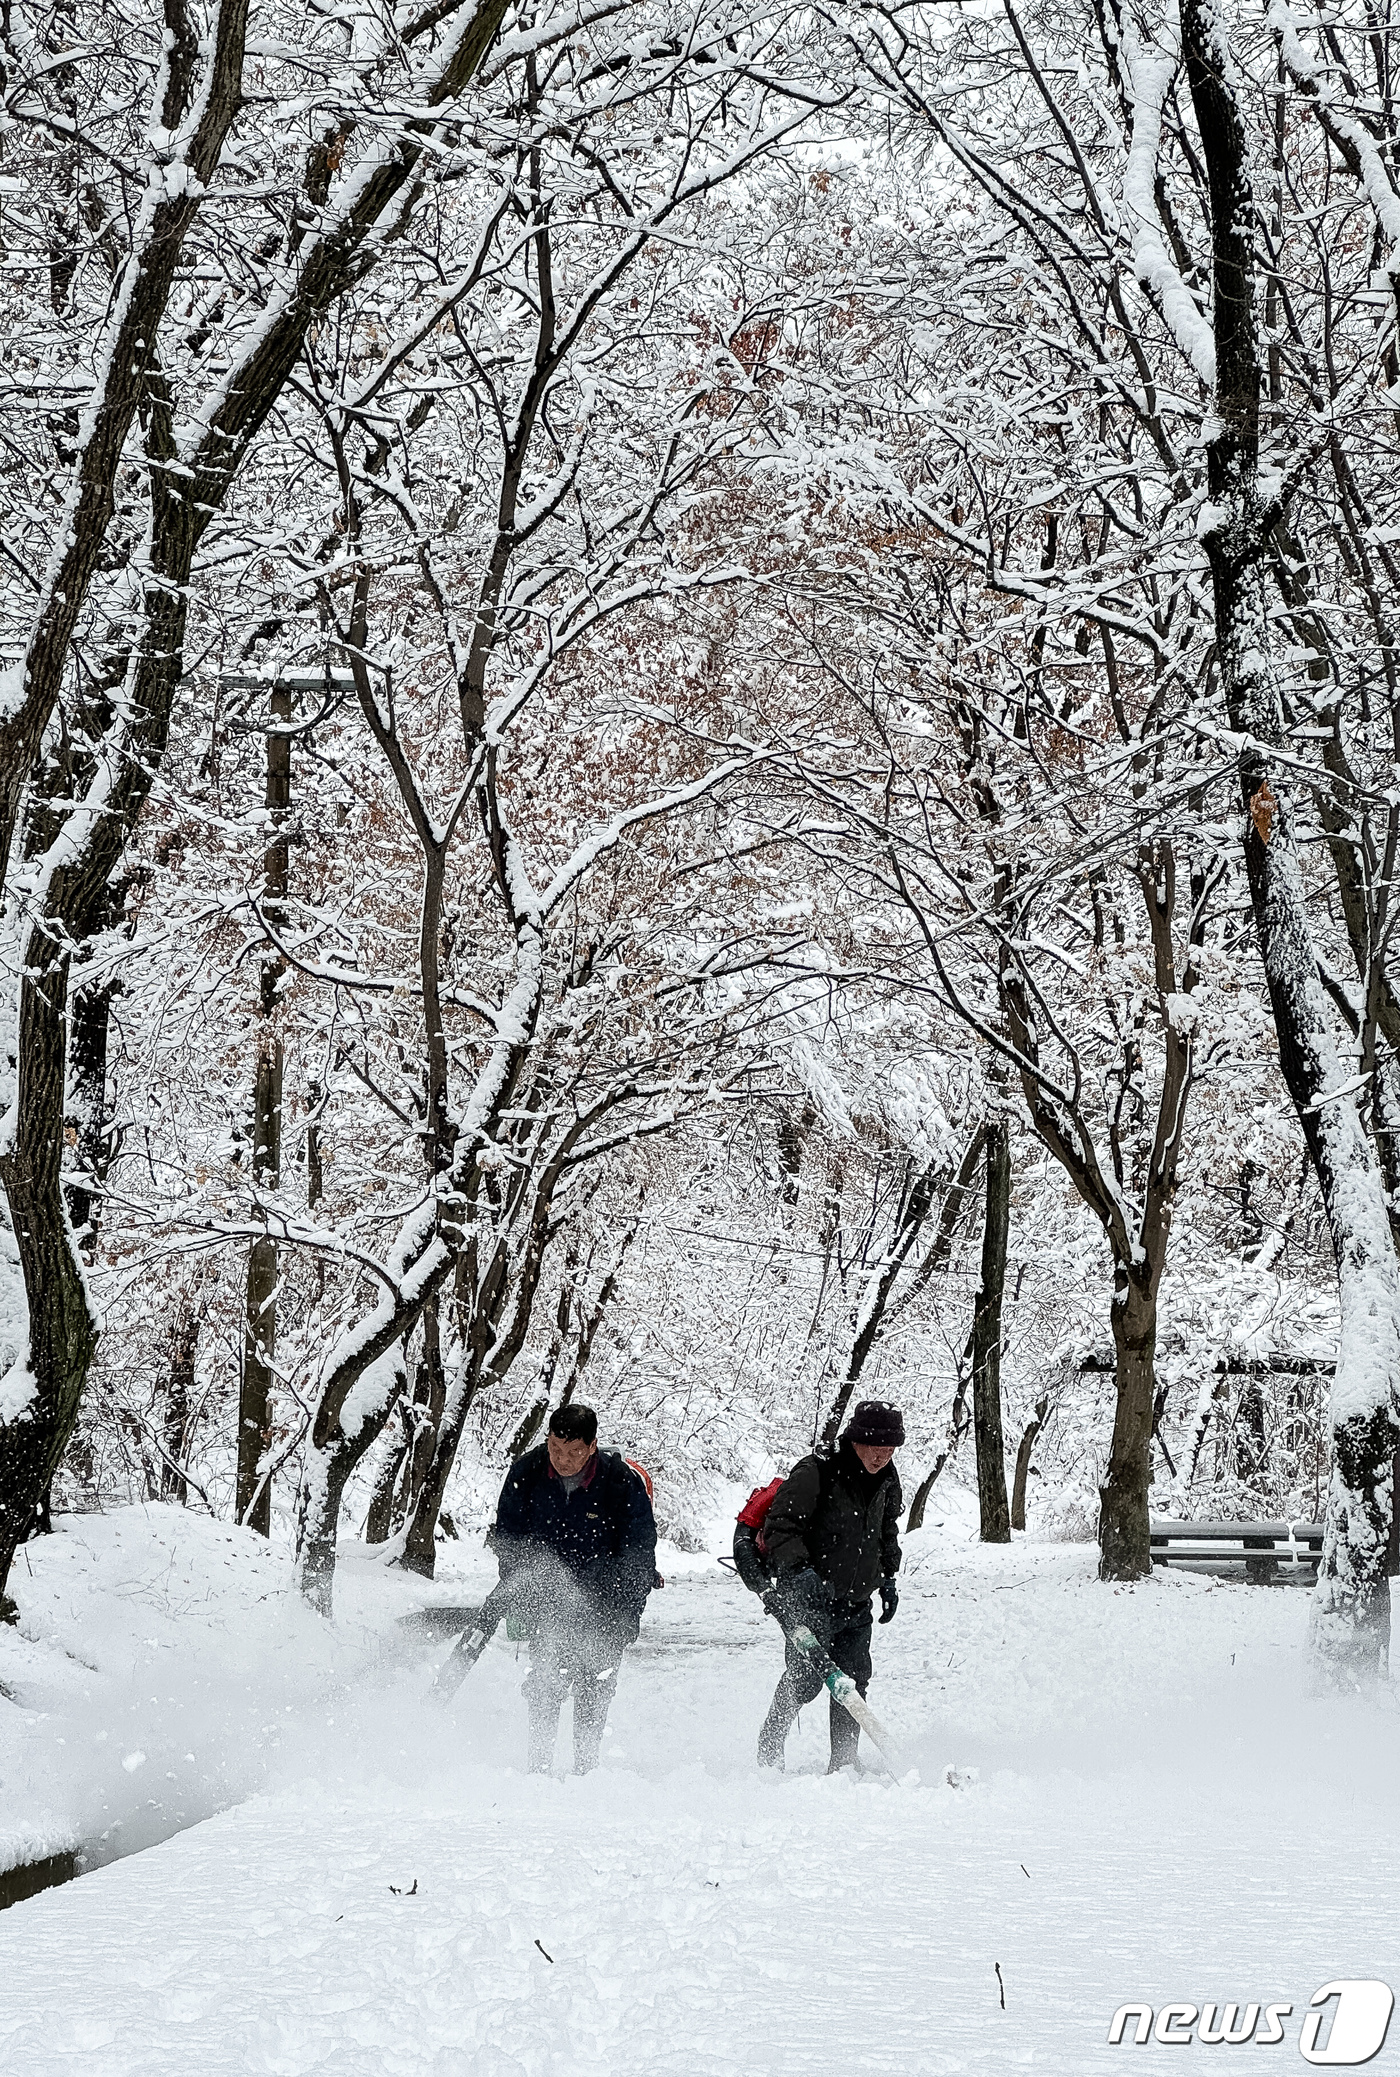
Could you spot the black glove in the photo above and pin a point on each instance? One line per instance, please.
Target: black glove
(614, 1627)
(889, 1600)
(627, 1625)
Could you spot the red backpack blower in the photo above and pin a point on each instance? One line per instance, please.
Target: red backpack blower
(750, 1551)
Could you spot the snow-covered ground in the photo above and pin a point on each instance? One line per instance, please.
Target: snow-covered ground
(1112, 1796)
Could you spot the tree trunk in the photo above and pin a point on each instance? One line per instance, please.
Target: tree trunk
(419, 1508)
(179, 1389)
(940, 1252)
(792, 1132)
(441, 1444)
(254, 1492)
(323, 1489)
(90, 1015)
(420, 1548)
(1251, 1442)
(331, 1456)
(487, 1361)
(529, 1428)
(1125, 1547)
(994, 1514)
(1351, 1611)
(315, 1175)
(380, 1519)
(1023, 1463)
(46, 1382)
(920, 1501)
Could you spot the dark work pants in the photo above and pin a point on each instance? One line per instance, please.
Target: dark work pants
(846, 1635)
(585, 1661)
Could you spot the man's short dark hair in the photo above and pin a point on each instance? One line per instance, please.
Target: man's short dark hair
(574, 1424)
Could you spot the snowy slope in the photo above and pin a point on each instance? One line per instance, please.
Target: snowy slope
(159, 1666)
(1155, 1813)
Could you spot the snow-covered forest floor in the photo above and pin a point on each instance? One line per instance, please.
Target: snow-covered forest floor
(1113, 1795)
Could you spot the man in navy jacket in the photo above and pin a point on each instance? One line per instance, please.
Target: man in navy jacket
(576, 1541)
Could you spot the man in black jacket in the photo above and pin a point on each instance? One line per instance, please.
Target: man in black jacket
(576, 1541)
(831, 1537)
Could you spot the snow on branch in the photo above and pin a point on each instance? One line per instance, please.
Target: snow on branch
(612, 832)
(1363, 155)
(1149, 71)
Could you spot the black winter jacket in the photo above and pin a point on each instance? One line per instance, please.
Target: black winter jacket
(842, 1520)
(604, 1532)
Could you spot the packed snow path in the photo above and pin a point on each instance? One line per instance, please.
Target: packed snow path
(1143, 1807)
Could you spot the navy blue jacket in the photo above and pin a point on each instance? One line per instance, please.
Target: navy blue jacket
(604, 1532)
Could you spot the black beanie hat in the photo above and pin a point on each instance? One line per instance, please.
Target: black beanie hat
(878, 1424)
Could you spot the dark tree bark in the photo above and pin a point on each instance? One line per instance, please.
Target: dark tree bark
(179, 1390)
(254, 1491)
(430, 1400)
(919, 1503)
(333, 1457)
(498, 1297)
(985, 1342)
(1023, 1462)
(793, 1128)
(529, 1428)
(380, 1519)
(1124, 1529)
(62, 1330)
(935, 1260)
(588, 1328)
(87, 1099)
(1251, 1443)
(315, 1176)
